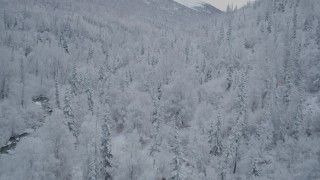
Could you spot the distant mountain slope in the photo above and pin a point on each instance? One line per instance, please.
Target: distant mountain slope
(189, 3)
(199, 6)
(178, 7)
(159, 13)
(207, 8)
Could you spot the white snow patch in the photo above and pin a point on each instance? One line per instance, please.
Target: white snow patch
(38, 103)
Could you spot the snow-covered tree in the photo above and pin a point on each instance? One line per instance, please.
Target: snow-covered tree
(93, 168)
(255, 169)
(288, 73)
(178, 160)
(67, 109)
(229, 31)
(269, 22)
(157, 119)
(229, 77)
(242, 114)
(74, 80)
(297, 124)
(239, 131)
(65, 45)
(221, 35)
(68, 112)
(215, 140)
(90, 100)
(294, 23)
(106, 146)
(56, 86)
(22, 81)
(318, 34)
(165, 61)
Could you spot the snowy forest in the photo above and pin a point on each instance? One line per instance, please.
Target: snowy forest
(154, 90)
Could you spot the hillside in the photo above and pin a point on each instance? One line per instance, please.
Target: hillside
(144, 89)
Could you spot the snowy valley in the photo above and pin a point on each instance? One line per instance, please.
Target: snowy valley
(153, 89)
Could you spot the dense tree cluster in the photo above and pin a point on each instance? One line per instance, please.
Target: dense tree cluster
(142, 89)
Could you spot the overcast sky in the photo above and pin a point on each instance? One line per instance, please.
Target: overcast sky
(222, 4)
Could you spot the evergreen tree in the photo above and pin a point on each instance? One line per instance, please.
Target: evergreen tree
(68, 112)
(198, 72)
(57, 94)
(279, 133)
(229, 77)
(282, 5)
(102, 83)
(187, 52)
(288, 72)
(238, 132)
(101, 73)
(61, 38)
(221, 35)
(255, 169)
(65, 45)
(156, 121)
(22, 81)
(242, 99)
(215, 140)
(90, 100)
(294, 23)
(258, 18)
(74, 80)
(3, 85)
(178, 160)
(296, 131)
(90, 54)
(106, 146)
(93, 164)
(67, 109)
(229, 31)
(269, 22)
(318, 34)
(308, 23)
(265, 130)
(56, 87)
(275, 6)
